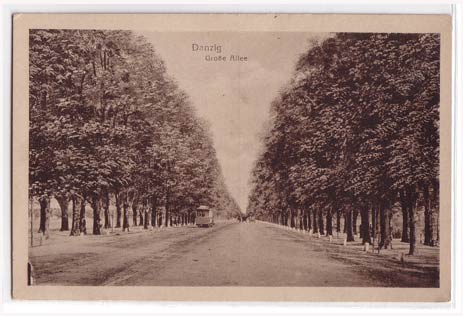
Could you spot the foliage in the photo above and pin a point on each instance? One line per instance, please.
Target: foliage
(357, 125)
(106, 117)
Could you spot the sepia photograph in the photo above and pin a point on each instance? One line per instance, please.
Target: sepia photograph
(230, 159)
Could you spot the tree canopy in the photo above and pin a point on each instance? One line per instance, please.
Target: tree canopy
(357, 126)
(106, 118)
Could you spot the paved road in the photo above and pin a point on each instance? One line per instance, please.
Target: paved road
(229, 254)
(249, 255)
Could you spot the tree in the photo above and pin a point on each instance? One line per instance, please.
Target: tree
(108, 124)
(355, 129)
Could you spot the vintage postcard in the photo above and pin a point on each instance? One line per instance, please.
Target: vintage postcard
(232, 157)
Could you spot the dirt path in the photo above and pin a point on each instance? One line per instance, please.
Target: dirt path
(230, 254)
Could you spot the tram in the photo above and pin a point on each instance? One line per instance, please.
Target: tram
(204, 216)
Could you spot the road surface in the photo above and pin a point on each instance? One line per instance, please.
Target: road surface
(229, 254)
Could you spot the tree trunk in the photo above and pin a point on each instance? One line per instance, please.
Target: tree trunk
(44, 228)
(300, 216)
(141, 216)
(298, 219)
(329, 223)
(125, 218)
(96, 215)
(384, 226)
(83, 220)
(360, 231)
(153, 216)
(315, 221)
(360, 228)
(146, 218)
(309, 220)
(427, 217)
(435, 200)
(349, 228)
(63, 202)
(403, 204)
(373, 221)
(405, 237)
(134, 214)
(365, 225)
(166, 220)
(75, 229)
(344, 229)
(321, 227)
(291, 217)
(107, 216)
(338, 220)
(411, 196)
(304, 220)
(118, 209)
(355, 214)
(153, 211)
(411, 214)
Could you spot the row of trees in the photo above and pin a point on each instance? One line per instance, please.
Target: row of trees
(356, 131)
(108, 125)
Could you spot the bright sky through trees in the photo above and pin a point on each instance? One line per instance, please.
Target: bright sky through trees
(233, 96)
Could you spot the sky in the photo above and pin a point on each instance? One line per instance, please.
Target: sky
(234, 96)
